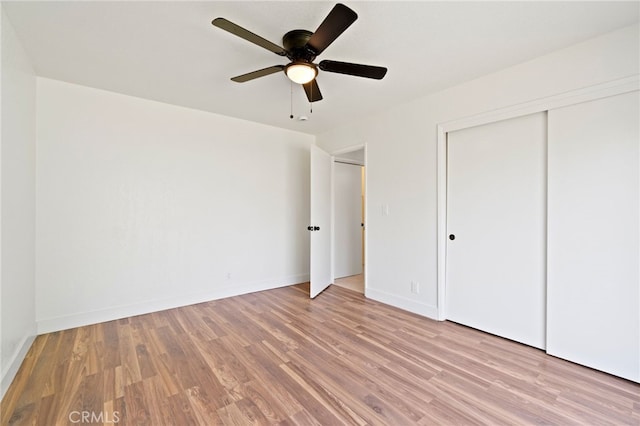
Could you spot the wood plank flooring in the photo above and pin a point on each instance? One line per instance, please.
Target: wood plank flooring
(276, 357)
(353, 282)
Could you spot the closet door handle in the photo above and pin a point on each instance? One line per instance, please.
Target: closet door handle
(452, 237)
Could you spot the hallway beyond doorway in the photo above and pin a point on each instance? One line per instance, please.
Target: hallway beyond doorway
(354, 282)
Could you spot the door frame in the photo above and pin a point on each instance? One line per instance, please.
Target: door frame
(598, 91)
(335, 154)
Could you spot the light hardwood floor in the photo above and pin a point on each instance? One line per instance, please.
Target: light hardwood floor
(276, 357)
(353, 282)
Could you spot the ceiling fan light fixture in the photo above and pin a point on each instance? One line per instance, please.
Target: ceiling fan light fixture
(301, 72)
(302, 47)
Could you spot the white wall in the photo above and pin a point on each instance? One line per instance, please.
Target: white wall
(356, 156)
(401, 156)
(17, 212)
(347, 184)
(143, 206)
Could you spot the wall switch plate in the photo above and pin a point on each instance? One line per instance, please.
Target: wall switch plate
(415, 287)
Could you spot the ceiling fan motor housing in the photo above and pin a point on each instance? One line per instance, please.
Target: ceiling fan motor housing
(295, 43)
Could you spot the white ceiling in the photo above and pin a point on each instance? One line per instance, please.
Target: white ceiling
(169, 51)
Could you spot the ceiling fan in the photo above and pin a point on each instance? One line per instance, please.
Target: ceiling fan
(302, 47)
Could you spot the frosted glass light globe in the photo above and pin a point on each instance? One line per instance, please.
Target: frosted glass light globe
(301, 73)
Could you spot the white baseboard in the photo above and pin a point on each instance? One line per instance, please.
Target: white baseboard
(80, 319)
(419, 308)
(16, 361)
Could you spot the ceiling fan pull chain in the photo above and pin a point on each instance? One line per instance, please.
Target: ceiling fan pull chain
(291, 101)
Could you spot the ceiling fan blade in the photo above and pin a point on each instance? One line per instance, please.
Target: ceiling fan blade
(248, 35)
(259, 73)
(338, 20)
(313, 91)
(359, 70)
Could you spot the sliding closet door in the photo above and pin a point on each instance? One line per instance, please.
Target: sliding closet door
(496, 210)
(593, 247)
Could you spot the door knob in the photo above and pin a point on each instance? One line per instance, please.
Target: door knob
(452, 237)
(316, 228)
(309, 228)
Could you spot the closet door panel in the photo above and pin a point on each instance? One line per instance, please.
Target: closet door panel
(496, 216)
(593, 298)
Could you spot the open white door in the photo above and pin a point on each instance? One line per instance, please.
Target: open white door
(320, 223)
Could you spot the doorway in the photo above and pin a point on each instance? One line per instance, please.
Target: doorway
(349, 192)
